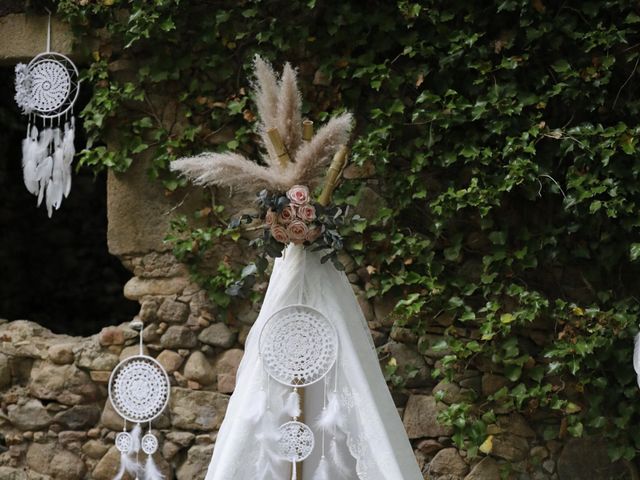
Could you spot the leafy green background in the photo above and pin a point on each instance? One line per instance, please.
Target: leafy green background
(500, 136)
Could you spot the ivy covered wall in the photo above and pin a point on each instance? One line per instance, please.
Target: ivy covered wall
(494, 160)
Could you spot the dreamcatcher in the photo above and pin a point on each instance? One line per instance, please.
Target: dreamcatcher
(139, 391)
(46, 90)
(298, 347)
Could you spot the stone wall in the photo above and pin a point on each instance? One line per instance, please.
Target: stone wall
(56, 422)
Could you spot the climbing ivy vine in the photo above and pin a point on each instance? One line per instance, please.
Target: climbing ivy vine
(498, 141)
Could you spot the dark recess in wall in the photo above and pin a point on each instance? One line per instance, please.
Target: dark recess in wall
(57, 272)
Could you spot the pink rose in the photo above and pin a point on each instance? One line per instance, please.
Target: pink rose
(313, 234)
(271, 217)
(307, 213)
(297, 231)
(298, 194)
(279, 233)
(287, 214)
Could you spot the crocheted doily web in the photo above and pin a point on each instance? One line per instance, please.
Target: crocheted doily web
(298, 345)
(139, 388)
(53, 84)
(295, 441)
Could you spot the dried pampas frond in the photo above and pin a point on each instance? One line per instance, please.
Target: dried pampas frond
(289, 117)
(312, 159)
(279, 106)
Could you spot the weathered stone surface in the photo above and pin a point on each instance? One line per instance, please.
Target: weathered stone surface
(170, 360)
(226, 382)
(178, 336)
(160, 265)
(229, 361)
(111, 336)
(5, 371)
(31, 415)
(110, 418)
(132, 350)
(137, 287)
(172, 311)
(184, 439)
(510, 447)
(93, 357)
(486, 469)
(516, 424)
(447, 392)
(67, 466)
(79, 417)
(137, 210)
(61, 354)
(197, 410)
(218, 335)
(9, 473)
(65, 383)
(39, 456)
(196, 464)
(583, 458)
(408, 360)
(108, 466)
(420, 417)
(25, 339)
(19, 31)
(199, 369)
(492, 383)
(95, 449)
(148, 310)
(448, 462)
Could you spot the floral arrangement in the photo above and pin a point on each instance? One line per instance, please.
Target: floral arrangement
(290, 217)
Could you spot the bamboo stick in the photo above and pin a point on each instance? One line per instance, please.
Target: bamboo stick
(333, 174)
(278, 145)
(307, 130)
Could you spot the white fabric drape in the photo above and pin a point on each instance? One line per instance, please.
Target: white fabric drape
(375, 445)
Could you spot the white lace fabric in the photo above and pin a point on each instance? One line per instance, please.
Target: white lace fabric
(374, 442)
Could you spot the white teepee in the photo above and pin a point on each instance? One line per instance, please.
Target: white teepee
(371, 441)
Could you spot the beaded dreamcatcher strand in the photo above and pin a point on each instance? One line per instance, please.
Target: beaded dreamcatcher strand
(46, 91)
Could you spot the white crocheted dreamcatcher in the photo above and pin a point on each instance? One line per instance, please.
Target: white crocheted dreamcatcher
(46, 90)
(139, 391)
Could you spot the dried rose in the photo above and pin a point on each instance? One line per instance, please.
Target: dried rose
(313, 234)
(270, 218)
(297, 231)
(298, 194)
(279, 233)
(287, 215)
(307, 213)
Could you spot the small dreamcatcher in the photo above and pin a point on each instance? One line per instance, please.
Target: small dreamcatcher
(46, 90)
(298, 347)
(139, 391)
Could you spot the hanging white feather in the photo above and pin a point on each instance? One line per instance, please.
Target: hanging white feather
(636, 357)
(151, 471)
(55, 185)
(127, 465)
(29, 160)
(339, 459)
(69, 150)
(322, 471)
(331, 416)
(136, 433)
(43, 174)
(292, 405)
(258, 407)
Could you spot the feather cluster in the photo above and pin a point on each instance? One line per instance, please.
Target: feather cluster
(46, 163)
(279, 106)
